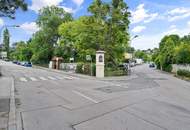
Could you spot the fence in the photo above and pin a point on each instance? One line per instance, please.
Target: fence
(176, 67)
(68, 66)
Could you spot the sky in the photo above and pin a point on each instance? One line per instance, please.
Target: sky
(151, 20)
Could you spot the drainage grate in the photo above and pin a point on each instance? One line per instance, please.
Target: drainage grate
(4, 105)
(111, 89)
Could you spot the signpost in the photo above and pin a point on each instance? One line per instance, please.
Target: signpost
(89, 58)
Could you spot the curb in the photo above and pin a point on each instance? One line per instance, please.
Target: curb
(62, 72)
(12, 112)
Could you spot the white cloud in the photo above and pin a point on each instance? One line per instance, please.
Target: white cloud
(188, 23)
(151, 18)
(1, 22)
(29, 27)
(142, 15)
(181, 10)
(152, 40)
(178, 14)
(39, 4)
(78, 2)
(67, 9)
(138, 29)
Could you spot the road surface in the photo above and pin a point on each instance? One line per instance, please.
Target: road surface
(146, 100)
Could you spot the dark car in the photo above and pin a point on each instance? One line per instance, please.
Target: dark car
(151, 65)
(27, 64)
(15, 62)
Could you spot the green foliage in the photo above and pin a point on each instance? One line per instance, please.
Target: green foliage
(184, 73)
(86, 68)
(114, 72)
(172, 50)
(22, 52)
(44, 42)
(79, 68)
(165, 54)
(142, 55)
(8, 7)
(182, 54)
(6, 40)
(106, 29)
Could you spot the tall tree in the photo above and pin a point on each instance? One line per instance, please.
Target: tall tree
(115, 17)
(45, 40)
(6, 40)
(8, 7)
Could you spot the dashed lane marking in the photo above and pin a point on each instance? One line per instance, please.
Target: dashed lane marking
(33, 79)
(42, 78)
(82, 95)
(52, 78)
(22, 79)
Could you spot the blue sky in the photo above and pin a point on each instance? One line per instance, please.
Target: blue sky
(151, 19)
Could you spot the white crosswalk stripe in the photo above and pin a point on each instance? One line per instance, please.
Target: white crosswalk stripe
(52, 78)
(68, 78)
(33, 79)
(59, 77)
(42, 78)
(22, 79)
(45, 78)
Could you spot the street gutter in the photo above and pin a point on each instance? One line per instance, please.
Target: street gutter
(12, 111)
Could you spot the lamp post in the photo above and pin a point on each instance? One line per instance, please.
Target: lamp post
(7, 26)
(129, 65)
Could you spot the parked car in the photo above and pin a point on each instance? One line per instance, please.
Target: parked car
(28, 64)
(151, 65)
(18, 63)
(22, 63)
(14, 62)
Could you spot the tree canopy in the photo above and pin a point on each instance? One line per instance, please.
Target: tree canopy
(105, 29)
(8, 7)
(6, 41)
(45, 40)
(172, 50)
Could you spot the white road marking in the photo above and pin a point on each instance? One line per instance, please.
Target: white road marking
(69, 78)
(33, 79)
(52, 78)
(82, 95)
(59, 77)
(23, 79)
(42, 78)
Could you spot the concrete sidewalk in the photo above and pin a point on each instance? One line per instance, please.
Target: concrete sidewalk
(5, 96)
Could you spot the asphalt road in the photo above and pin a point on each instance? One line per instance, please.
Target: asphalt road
(146, 100)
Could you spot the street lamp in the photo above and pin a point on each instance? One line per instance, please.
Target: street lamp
(134, 37)
(7, 26)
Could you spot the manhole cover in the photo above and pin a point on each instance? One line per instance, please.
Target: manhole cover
(4, 105)
(111, 89)
(157, 78)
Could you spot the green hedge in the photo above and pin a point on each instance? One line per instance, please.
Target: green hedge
(79, 68)
(184, 73)
(115, 72)
(85, 68)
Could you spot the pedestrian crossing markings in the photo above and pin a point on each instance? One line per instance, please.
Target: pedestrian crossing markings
(41, 78)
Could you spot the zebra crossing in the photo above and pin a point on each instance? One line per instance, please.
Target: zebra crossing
(45, 78)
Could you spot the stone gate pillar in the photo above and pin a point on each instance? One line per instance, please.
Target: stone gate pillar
(100, 64)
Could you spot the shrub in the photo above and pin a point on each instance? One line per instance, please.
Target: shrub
(167, 68)
(94, 69)
(184, 73)
(79, 68)
(87, 69)
(115, 72)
